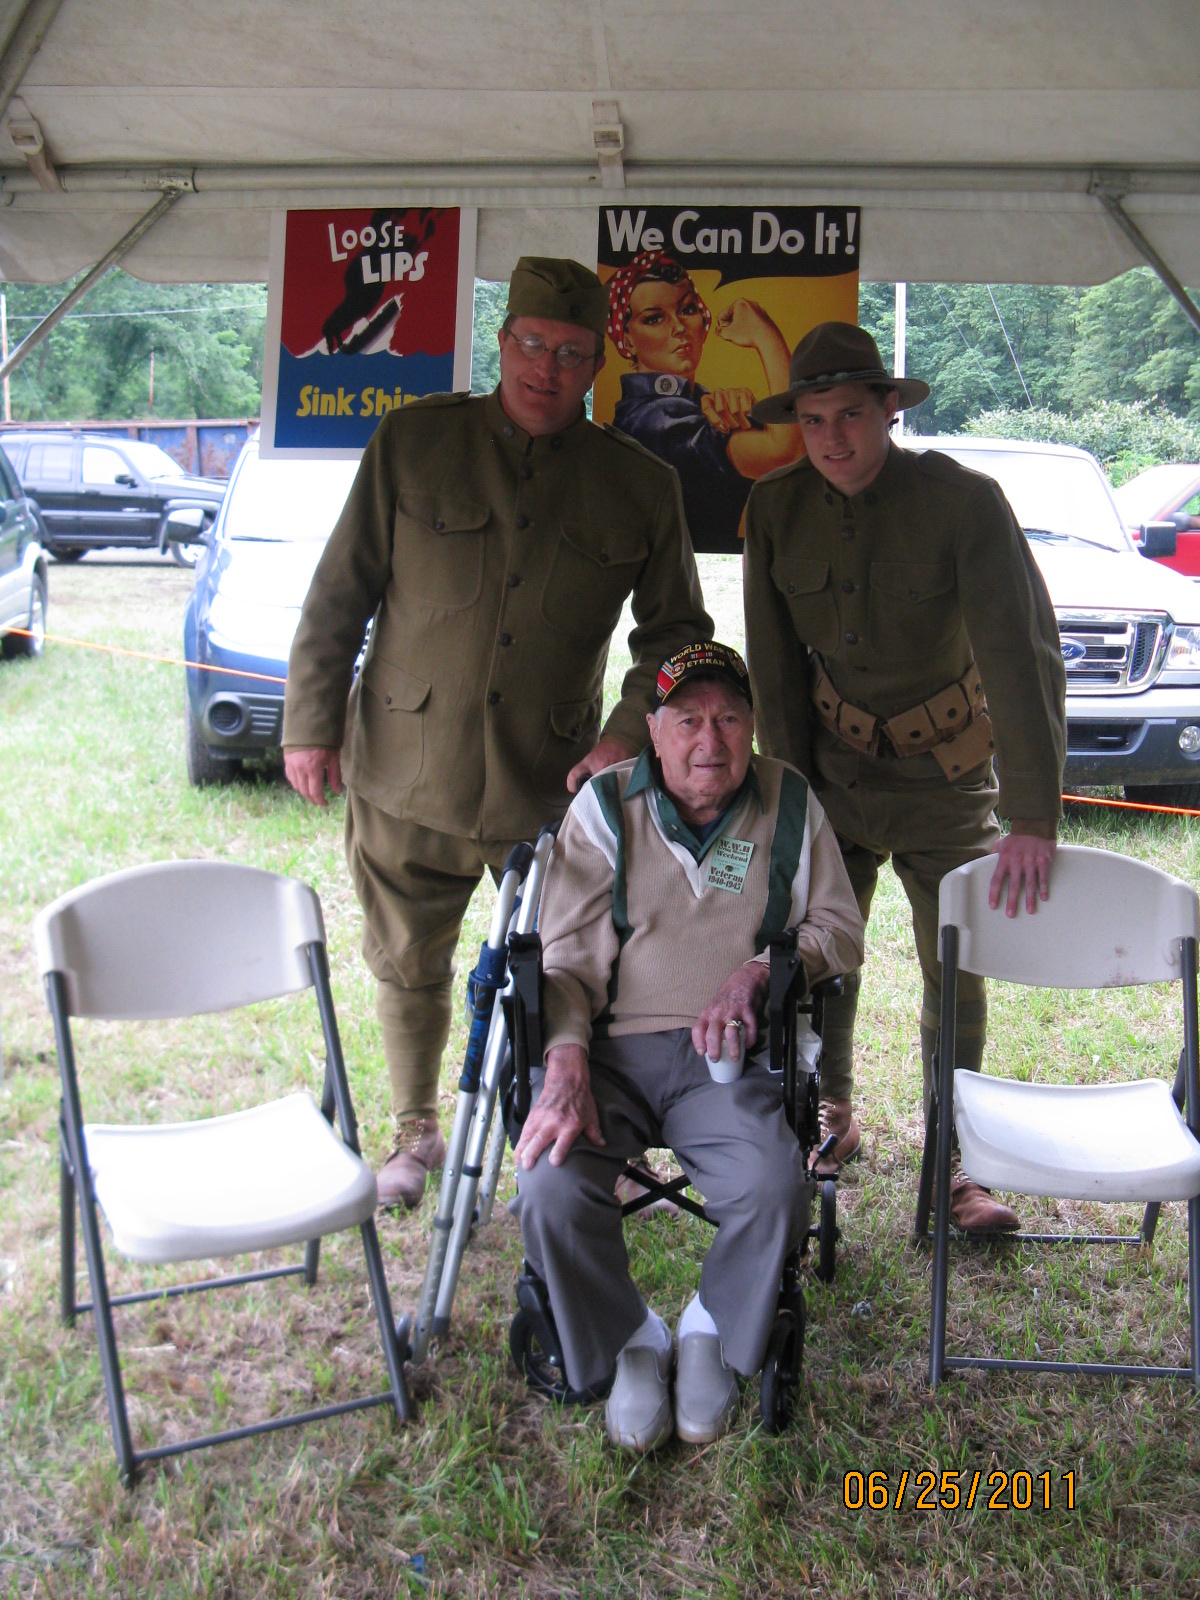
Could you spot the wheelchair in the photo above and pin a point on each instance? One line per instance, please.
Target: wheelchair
(505, 1040)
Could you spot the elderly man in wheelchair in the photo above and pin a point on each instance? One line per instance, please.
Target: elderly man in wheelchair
(671, 876)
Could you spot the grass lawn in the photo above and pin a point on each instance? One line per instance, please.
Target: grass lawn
(490, 1491)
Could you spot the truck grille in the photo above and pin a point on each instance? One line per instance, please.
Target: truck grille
(1121, 654)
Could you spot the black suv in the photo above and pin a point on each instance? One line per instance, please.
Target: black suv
(98, 489)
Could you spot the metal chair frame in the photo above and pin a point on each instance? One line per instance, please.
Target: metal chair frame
(75, 1187)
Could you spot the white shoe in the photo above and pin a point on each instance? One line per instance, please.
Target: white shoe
(638, 1411)
(706, 1391)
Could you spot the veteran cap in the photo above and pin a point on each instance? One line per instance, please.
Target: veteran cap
(706, 658)
(562, 290)
(834, 353)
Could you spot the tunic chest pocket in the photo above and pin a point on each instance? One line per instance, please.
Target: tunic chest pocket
(439, 549)
(591, 573)
(804, 585)
(914, 607)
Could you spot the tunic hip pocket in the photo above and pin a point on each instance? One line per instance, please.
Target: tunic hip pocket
(391, 722)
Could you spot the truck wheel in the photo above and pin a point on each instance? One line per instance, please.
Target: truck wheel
(204, 766)
(1186, 795)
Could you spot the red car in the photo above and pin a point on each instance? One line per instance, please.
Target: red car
(1166, 494)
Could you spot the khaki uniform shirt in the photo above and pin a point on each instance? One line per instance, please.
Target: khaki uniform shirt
(496, 566)
(897, 589)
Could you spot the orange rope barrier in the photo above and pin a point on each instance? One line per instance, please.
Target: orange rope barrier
(142, 655)
(264, 677)
(1130, 805)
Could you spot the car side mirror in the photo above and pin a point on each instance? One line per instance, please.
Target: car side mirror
(126, 480)
(1158, 539)
(186, 525)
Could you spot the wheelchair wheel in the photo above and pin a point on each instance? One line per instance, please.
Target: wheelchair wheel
(781, 1367)
(541, 1368)
(827, 1232)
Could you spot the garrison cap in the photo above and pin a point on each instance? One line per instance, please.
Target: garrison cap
(704, 659)
(559, 289)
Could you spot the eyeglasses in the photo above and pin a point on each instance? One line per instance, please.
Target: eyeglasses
(566, 355)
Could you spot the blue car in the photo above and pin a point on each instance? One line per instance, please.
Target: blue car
(251, 579)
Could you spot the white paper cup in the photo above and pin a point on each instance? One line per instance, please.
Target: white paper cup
(725, 1069)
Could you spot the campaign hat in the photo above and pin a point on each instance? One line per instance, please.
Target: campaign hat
(834, 353)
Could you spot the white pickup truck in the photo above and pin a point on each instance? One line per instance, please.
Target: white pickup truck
(1130, 627)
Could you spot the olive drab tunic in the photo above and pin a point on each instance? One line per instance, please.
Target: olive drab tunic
(898, 589)
(496, 566)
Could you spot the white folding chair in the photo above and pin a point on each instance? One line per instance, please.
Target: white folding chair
(178, 939)
(1110, 922)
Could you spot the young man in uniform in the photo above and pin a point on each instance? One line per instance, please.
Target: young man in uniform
(494, 540)
(898, 632)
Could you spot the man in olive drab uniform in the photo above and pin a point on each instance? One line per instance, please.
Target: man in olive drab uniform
(887, 594)
(494, 540)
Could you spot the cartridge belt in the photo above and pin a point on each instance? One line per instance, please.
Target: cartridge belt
(952, 724)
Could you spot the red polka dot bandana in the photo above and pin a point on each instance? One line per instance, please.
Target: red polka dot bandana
(622, 284)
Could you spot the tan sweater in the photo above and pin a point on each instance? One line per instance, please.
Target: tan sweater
(638, 936)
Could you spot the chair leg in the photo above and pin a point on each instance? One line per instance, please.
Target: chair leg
(106, 1336)
(1194, 1285)
(928, 1160)
(945, 1129)
(312, 1257)
(393, 1354)
(66, 1230)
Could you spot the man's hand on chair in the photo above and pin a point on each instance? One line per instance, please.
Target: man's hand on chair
(564, 1109)
(1023, 856)
(738, 1000)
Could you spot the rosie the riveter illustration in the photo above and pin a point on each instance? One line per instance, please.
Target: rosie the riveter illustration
(659, 323)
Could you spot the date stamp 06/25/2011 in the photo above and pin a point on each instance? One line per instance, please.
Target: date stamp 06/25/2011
(958, 1489)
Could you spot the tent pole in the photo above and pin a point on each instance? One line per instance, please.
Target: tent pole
(25, 32)
(1140, 242)
(85, 285)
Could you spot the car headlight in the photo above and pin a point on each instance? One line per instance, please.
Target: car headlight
(1183, 653)
(256, 629)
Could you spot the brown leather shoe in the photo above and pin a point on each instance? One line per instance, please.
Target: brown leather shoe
(836, 1116)
(975, 1209)
(418, 1151)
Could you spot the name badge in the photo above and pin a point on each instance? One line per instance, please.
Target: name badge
(730, 860)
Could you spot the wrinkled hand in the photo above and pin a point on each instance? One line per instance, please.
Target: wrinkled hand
(308, 770)
(739, 999)
(565, 1109)
(728, 409)
(605, 754)
(1024, 859)
(741, 322)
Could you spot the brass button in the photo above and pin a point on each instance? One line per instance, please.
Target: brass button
(791, 588)
(527, 472)
(847, 586)
(506, 638)
(507, 430)
(514, 581)
(604, 558)
(522, 521)
(847, 533)
(438, 524)
(952, 712)
(556, 443)
(851, 637)
(493, 698)
(913, 595)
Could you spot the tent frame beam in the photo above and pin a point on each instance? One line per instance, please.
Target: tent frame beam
(1112, 204)
(86, 284)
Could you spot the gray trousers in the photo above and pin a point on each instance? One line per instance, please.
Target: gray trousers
(653, 1091)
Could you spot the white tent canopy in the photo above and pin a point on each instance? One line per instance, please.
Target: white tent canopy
(976, 137)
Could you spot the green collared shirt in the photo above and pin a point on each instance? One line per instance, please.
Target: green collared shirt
(647, 774)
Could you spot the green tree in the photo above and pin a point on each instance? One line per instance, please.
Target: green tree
(206, 339)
